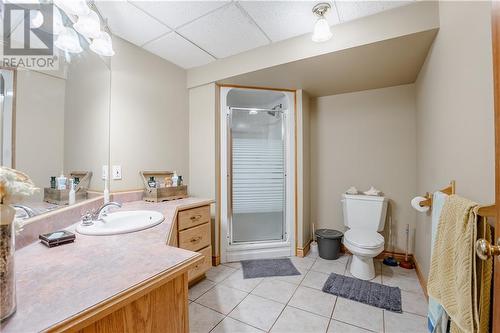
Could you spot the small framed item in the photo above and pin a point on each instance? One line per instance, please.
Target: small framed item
(57, 238)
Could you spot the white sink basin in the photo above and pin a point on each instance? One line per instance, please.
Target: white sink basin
(122, 222)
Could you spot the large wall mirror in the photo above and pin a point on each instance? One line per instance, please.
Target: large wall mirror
(56, 123)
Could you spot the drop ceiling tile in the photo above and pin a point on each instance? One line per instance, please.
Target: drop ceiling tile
(131, 23)
(285, 19)
(176, 49)
(224, 32)
(350, 10)
(177, 13)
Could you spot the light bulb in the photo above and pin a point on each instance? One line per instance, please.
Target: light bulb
(36, 19)
(88, 25)
(73, 7)
(68, 41)
(322, 31)
(103, 45)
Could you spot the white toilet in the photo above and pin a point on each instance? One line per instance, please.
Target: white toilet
(364, 215)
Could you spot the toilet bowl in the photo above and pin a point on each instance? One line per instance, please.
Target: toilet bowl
(364, 246)
(364, 215)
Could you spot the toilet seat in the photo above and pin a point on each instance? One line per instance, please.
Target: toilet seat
(364, 239)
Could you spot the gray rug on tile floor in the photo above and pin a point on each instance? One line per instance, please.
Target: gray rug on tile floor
(268, 267)
(371, 293)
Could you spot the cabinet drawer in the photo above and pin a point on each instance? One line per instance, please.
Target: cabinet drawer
(195, 238)
(202, 267)
(192, 217)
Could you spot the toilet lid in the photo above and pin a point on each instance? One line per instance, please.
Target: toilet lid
(364, 239)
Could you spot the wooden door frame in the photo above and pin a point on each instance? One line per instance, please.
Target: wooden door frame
(495, 30)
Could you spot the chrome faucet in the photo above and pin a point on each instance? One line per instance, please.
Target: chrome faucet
(28, 210)
(99, 212)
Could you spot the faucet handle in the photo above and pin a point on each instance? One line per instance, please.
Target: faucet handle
(87, 218)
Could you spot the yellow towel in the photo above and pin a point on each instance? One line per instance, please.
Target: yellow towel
(452, 263)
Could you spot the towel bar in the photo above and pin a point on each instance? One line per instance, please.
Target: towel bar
(485, 211)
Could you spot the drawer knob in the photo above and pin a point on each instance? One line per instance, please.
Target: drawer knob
(196, 217)
(195, 239)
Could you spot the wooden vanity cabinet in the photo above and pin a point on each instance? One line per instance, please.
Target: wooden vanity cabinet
(191, 231)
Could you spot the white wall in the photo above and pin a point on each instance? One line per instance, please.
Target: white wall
(454, 95)
(362, 139)
(149, 117)
(39, 141)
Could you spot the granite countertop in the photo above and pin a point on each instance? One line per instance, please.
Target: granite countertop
(54, 284)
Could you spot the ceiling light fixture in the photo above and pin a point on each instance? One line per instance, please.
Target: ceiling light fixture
(322, 31)
(58, 25)
(102, 45)
(68, 41)
(36, 19)
(88, 25)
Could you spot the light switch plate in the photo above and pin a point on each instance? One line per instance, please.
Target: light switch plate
(117, 172)
(105, 172)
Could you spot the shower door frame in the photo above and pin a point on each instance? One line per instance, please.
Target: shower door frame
(258, 249)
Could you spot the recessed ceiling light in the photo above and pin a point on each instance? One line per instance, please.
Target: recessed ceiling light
(322, 31)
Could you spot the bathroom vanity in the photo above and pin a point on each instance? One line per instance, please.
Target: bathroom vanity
(130, 282)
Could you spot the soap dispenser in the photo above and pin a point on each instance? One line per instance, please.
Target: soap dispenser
(72, 194)
(175, 179)
(61, 182)
(106, 191)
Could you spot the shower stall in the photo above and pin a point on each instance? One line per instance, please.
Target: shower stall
(257, 182)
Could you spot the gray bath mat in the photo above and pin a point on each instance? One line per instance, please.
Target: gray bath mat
(268, 267)
(367, 292)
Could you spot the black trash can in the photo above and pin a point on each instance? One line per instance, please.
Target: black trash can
(329, 243)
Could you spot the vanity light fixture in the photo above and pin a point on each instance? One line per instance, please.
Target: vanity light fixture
(322, 31)
(103, 45)
(68, 41)
(88, 25)
(253, 112)
(36, 19)
(73, 7)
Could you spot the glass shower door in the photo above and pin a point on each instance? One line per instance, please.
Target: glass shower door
(257, 170)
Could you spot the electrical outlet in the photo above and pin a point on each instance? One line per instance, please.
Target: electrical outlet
(117, 172)
(105, 171)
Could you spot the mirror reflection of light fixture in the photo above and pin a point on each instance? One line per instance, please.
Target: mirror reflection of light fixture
(253, 112)
(73, 7)
(103, 45)
(88, 25)
(322, 31)
(58, 25)
(36, 19)
(68, 41)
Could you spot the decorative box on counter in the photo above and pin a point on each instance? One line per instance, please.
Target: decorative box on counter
(158, 186)
(61, 197)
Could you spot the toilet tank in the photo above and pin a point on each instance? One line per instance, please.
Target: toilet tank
(364, 211)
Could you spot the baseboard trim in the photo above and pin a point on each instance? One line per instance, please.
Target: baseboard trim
(303, 251)
(421, 279)
(215, 260)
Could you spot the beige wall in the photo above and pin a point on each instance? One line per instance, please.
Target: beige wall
(303, 169)
(149, 115)
(455, 112)
(202, 148)
(362, 139)
(86, 123)
(39, 127)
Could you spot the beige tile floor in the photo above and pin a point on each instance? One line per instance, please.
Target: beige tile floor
(225, 302)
